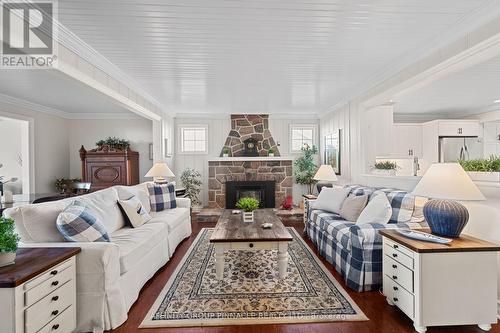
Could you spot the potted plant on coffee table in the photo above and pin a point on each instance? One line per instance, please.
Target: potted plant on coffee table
(8, 241)
(248, 206)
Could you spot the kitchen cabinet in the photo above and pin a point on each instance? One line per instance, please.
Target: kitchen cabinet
(406, 141)
(458, 128)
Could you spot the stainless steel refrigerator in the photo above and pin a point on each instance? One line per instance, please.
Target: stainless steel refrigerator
(452, 149)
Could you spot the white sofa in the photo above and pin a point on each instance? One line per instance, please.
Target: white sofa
(109, 275)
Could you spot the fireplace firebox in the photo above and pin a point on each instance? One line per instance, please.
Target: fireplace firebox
(260, 190)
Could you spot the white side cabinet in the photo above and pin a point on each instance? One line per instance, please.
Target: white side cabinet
(441, 285)
(38, 292)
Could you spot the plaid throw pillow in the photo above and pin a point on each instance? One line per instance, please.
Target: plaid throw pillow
(77, 224)
(162, 196)
(402, 203)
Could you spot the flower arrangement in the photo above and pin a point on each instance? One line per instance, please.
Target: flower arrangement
(8, 237)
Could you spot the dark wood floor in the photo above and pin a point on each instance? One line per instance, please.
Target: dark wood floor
(383, 318)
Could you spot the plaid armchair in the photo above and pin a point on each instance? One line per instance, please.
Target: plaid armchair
(356, 250)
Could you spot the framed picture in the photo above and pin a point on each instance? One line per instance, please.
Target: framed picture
(151, 151)
(332, 153)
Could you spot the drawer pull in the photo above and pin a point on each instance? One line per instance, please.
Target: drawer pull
(395, 299)
(395, 255)
(395, 288)
(55, 327)
(55, 312)
(55, 298)
(54, 272)
(251, 245)
(394, 277)
(55, 283)
(395, 246)
(394, 266)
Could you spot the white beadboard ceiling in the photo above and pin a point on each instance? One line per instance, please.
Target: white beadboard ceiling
(276, 56)
(466, 92)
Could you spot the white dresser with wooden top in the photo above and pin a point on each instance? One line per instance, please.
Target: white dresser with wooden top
(441, 285)
(38, 292)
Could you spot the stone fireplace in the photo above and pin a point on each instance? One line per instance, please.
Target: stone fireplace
(249, 172)
(220, 172)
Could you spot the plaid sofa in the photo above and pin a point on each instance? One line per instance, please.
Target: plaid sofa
(356, 250)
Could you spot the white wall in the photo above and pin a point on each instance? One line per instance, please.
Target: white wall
(218, 129)
(87, 132)
(50, 143)
(11, 152)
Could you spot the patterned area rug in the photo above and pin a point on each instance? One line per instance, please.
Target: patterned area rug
(251, 291)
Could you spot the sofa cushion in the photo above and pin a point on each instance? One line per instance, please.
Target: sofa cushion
(139, 190)
(378, 210)
(331, 199)
(136, 243)
(104, 204)
(402, 203)
(352, 207)
(171, 217)
(355, 190)
(162, 196)
(77, 223)
(133, 211)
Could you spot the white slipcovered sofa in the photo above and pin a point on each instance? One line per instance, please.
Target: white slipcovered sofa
(109, 275)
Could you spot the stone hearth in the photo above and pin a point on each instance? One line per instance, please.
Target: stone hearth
(279, 171)
(244, 127)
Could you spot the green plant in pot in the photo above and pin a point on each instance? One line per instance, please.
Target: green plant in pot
(8, 241)
(248, 205)
(270, 152)
(225, 152)
(305, 167)
(191, 180)
(385, 167)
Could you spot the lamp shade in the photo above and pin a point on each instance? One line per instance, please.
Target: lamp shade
(447, 181)
(325, 173)
(160, 170)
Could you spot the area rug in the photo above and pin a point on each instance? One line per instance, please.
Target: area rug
(251, 291)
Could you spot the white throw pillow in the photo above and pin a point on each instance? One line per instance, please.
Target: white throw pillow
(331, 199)
(134, 211)
(378, 210)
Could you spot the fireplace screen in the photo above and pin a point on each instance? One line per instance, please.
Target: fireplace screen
(263, 191)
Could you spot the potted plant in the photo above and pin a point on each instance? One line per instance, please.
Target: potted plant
(270, 152)
(8, 241)
(483, 169)
(191, 180)
(248, 205)
(305, 167)
(63, 184)
(113, 143)
(387, 168)
(225, 152)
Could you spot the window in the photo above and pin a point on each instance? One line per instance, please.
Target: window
(301, 135)
(193, 139)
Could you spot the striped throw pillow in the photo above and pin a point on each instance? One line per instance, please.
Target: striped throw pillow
(162, 196)
(78, 224)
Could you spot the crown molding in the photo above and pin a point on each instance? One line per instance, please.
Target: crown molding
(291, 116)
(21, 103)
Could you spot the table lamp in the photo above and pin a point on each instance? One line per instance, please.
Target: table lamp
(325, 176)
(160, 172)
(444, 183)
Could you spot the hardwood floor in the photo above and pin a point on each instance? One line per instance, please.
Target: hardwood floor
(383, 318)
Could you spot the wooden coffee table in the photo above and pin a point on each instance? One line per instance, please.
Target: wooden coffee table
(231, 233)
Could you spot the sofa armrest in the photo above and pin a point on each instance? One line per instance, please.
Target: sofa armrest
(100, 302)
(183, 202)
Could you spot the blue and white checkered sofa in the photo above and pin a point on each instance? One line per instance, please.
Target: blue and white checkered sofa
(356, 250)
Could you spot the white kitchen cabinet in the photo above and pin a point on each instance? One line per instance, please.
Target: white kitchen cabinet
(406, 141)
(459, 128)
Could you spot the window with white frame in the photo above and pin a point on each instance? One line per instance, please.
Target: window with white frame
(301, 135)
(193, 139)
